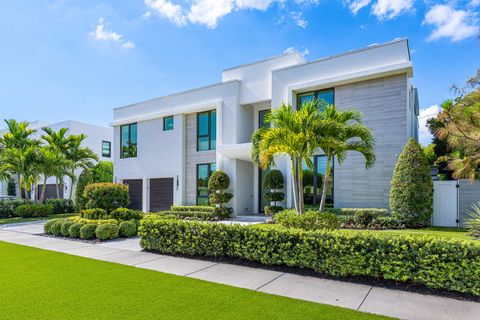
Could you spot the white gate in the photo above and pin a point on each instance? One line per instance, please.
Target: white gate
(445, 204)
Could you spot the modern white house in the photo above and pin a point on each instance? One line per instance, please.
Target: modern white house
(99, 140)
(166, 148)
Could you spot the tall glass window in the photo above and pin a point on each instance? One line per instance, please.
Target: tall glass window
(262, 115)
(128, 141)
(324, 98)
(207, 130)
(204, 171)
(106, 149)
(168, 123)
(313, 181)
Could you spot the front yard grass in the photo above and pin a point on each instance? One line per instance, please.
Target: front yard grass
(20, 219)
(40, 284)
(452, 233)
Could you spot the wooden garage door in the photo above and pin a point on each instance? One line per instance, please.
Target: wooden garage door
(50, 191)
(135, 191)
(161, 194)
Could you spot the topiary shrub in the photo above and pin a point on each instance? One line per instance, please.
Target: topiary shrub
(107, 196)
(217, 185)
(33, 210)
(74, 230)
(411, 194)
(107, 231)
(47, 227)
(61, 205)
(93, 214)
(310, 220)
(274, 182)
(66, 228)
(87, 231)
(127, 229)
(56, 228)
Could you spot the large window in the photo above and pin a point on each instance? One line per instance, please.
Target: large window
(106, 149)
(204, 171)
(262, 115)
(206, 130)
(313, 181)
(168, 123)
(128, 141)
(324, 98)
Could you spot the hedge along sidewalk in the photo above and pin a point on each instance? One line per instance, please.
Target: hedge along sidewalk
(451, 265)
(405, 305)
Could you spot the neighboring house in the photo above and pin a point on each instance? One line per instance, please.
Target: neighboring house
(99, 139)
(166, 148)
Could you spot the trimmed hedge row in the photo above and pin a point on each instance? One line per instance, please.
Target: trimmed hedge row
(90, 229)
(192, 208)
(121, 214)
(203, 213)
(436, 263)
(33, 210)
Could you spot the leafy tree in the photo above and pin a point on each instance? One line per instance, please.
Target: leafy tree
(429, 152)
(103, 171)
(411, 193)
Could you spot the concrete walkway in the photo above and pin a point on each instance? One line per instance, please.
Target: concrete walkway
(394, 303)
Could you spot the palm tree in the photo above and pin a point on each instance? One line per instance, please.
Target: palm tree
(293, 134)
(345, 133)
(51, 164)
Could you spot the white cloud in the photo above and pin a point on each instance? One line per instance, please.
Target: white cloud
(357, 5)
(167, 9)
(102, 34)
(303, 53)
(449, 23)
(298, 18)
(208, 12)
(147, 15)
(389, 9)
(254, 4)
(424, 135)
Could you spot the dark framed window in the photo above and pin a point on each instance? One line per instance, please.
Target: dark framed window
(262, 114)
(168, 123)
(207, 130)
(324, 98)
(106, 149)
(204, 171)
(128, 141)
(313, 181)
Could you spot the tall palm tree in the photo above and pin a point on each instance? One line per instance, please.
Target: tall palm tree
(348, 134)
(51, 164)
(293, 134)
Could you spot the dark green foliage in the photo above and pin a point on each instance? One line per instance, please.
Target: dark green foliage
(365, 218)
(56, 228)
(107, 231)
(61, 205)
(33, 210)
(218, 184)
(435, 262)
(219, 198)
(47, 227)
(87, 231)
(74, 230)
(192, 208)
(198, 212)
(355, 211)
(411, 194)
(7, 207)
(124, 214)
(127, 229)
(103, 172)
(310, 220)
(271, 210)
(85, 178)
(11, 188)
(108, 196)
(94, 214)
(274, 180)
(66, 227)
(274, 196)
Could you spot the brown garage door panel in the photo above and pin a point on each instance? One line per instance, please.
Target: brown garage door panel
(50, 191)
(161, 194)
(135, 191)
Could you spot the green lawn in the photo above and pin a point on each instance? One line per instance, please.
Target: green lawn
(452, 233)
(18, 220)
(39, 284)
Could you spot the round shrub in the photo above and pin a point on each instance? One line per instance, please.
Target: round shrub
(74, 230)
(33, 210)
(56, 228)
(107, 196)
(411, 194)
(220, 197)
(87, 231)
(47, 228)
(127, 229)
(273, 180)
(219, 180)
(66, 228)
(125, 214)
(274, 196)
(93, 214)
(107, 231)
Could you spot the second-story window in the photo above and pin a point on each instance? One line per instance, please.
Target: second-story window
(324, 98)
(207, 130)
(128, 141)
(168, 123)
(106, 149)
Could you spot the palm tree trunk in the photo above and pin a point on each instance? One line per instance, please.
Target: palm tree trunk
(325, 185)
(19, 192)
(71, 189)
(56, 187)
(44, 186)
(300, 189)
(294, 183)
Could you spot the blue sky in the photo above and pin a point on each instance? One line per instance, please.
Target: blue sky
(78, 59)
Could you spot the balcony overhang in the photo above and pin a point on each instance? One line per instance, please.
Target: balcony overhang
(240, 151)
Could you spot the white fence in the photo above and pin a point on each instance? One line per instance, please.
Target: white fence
(452, 200)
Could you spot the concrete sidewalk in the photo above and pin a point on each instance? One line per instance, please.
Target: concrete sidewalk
(394, 303)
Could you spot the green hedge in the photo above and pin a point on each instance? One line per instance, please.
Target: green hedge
(120, 214)
(8, 207)
(108, 196)
(434, 262)
(193, 208)
(204, 213)
(33, 210)
(61, 205)
(310, 220)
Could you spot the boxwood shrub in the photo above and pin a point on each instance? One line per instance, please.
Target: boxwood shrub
(310, 220)
(127, 229)
(33, 210)
(87, 231)
(125, 214)
(434, 262)
(74, 230)
(56, 228)
(47, 227)
(66, 227)
(108, 196)
(93, 214)
(107, 231)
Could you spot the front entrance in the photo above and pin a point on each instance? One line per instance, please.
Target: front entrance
(161, 194)
(135, 191)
